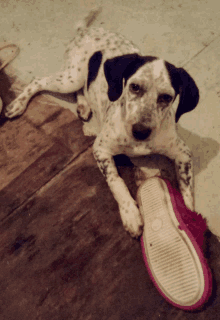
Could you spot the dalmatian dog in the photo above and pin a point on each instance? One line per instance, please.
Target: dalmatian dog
(130, 96)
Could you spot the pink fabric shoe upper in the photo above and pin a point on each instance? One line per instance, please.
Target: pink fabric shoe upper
(195, 223)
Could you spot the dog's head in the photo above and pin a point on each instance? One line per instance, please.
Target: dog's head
(146, 88)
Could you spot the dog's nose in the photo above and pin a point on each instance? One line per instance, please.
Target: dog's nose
(140, 131)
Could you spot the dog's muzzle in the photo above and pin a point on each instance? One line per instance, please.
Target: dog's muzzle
(140, 131)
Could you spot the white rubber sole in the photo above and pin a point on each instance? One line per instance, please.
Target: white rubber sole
(171, 258)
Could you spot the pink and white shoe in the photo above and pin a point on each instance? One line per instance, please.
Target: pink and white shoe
(172, 245)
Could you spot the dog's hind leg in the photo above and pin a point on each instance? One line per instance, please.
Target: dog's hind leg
(68, 81)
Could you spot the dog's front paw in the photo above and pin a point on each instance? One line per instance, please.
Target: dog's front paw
(131, 218)
(15, 108)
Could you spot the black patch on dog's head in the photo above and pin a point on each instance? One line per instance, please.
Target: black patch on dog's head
(120, 68)
(94, 65)
(185, 86)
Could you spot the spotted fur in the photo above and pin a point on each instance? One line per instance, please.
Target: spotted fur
(130, 97)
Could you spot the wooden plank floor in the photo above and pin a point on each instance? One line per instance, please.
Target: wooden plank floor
(63, 251)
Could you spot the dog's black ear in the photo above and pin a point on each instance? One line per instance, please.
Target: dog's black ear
(185, 86)
(120, 68)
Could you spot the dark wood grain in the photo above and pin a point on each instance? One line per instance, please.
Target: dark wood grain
(69, 144)
(33, 178)
(20, 145)
(65, 255)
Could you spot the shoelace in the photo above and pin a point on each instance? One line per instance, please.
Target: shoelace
(11, 57)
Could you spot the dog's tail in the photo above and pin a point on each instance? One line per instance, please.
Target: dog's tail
(88, 19)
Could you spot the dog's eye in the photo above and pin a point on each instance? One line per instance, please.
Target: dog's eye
(134, 87)
(164, 98)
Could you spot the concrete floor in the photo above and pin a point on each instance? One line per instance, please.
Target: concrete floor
(186, 33)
